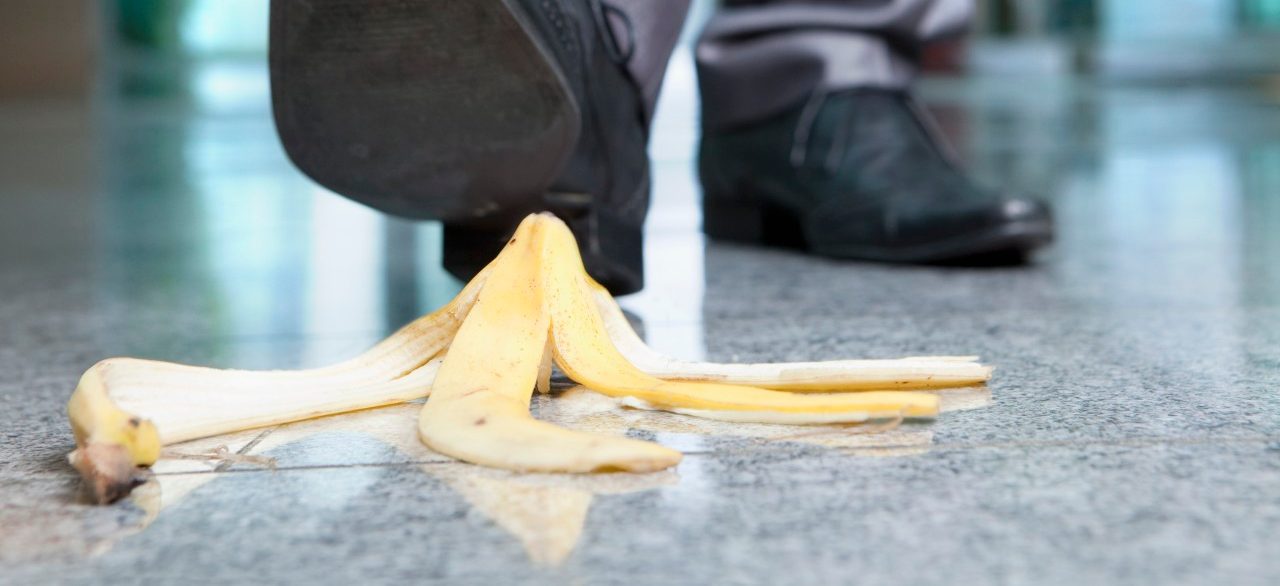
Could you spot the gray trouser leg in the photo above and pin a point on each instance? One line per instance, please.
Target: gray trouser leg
(654, 26)
(757, 58)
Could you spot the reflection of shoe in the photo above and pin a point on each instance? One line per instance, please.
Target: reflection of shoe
(860, 175)
(474, 113)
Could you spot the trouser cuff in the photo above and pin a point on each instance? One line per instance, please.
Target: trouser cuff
(743, 81)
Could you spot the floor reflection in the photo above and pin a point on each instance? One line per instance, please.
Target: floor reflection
(546, 513)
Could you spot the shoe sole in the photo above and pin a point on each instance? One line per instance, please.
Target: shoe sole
(612, 248)
(749, 222)
(436, 109)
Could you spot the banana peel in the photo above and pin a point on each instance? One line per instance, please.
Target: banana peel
(478, 410)
(917, 372)
(480, 358)
(125, 409)
(585, 353)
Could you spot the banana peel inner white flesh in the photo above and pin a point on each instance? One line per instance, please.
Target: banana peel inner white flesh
(538, 295)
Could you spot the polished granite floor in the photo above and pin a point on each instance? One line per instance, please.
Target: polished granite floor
(1131, 434)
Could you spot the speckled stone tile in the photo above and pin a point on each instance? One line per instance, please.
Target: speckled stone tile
(1190, 513)
(1067, 374)
(739, 278)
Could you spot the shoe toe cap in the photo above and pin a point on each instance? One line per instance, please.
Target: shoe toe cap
(962, 218)
(1020, 209)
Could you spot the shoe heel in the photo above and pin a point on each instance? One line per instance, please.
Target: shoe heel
(748, 219)
(733, 220)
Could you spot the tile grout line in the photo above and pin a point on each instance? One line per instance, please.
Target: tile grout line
(1124, 442)
(226, 464)
(1132, 442)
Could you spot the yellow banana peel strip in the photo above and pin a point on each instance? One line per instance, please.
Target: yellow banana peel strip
(585, 353)
(480, 357)
(918, 372)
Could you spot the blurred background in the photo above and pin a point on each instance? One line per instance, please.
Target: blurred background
(136, 146)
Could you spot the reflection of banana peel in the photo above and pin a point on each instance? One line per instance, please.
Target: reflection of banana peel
(546, 512)
(480, 357)
(581, 409)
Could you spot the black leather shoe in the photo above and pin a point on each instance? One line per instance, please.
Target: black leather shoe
(474, 113)
(859, 174)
